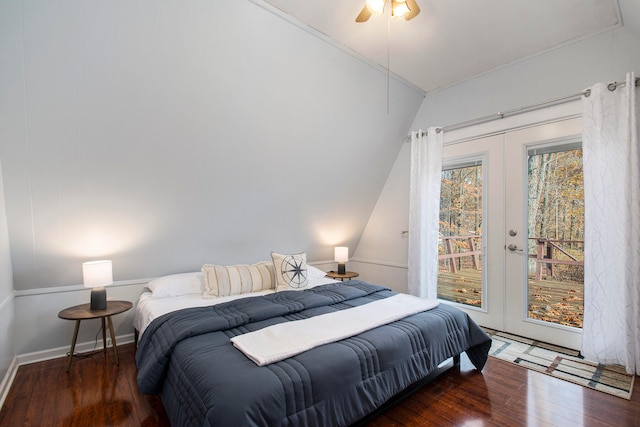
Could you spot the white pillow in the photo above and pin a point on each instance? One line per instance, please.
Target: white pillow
(176, 285)
(314, 273)
(221, 281)
(291, 271)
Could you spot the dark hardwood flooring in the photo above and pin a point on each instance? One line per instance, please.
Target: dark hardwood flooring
(97, 393)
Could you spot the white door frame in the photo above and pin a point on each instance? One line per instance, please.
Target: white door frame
(523, 130)
(517, 145)
(489, 151)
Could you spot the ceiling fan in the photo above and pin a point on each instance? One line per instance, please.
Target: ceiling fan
(407, 9)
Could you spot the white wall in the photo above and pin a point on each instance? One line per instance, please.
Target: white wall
(563, 71)
(42, 331)
(165, 135)
(382, 254)
(7, 312)
(558, 72)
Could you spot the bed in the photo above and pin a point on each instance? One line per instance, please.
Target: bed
(186, 355)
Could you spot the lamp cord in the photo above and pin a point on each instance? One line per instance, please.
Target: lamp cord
(92, 352)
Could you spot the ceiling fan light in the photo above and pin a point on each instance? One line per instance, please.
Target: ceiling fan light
(376, 6)
(399, 9)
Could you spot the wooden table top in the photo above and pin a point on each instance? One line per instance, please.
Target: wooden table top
(83, 311)
(346, 275)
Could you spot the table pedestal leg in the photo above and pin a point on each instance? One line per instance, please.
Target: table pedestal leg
(113, 340)
(73, 344)
(104, 337)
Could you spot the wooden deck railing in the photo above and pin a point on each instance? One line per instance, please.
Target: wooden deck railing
(545, 255)
(546, 250)
(452, 256)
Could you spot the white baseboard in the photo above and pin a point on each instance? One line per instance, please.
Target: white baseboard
(5, 385)
(55, 353)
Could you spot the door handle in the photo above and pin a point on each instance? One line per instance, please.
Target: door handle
(513, 247)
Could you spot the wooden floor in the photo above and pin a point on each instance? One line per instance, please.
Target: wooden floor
(549, 300)
(97, 393)
(94, 393)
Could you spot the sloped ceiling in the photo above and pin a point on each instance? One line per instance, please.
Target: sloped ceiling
(455, 40)
(166, 135)
(630, 10)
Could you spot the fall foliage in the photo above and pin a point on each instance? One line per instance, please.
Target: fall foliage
(555, 231)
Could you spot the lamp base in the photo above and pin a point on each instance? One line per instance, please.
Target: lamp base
(98, 299)
(342, 268)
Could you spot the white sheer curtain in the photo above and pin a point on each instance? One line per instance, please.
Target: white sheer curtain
(424, 208)
(611, 329)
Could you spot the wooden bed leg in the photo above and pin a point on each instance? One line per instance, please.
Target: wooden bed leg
(136, 335)
(456, 360)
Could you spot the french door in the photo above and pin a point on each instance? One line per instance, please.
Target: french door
(495, 202)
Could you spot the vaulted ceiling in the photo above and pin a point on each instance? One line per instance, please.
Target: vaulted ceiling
(452, 40)
(165, 135)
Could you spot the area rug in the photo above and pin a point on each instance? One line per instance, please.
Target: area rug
(562, 363)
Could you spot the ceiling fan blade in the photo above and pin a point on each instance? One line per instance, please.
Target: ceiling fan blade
(414, 10)
(365, 14)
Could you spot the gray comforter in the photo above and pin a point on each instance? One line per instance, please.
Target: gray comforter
(186, 356)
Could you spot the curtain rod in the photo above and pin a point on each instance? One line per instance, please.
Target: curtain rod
(503, 114)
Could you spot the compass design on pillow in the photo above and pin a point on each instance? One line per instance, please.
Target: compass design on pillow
(294, 271)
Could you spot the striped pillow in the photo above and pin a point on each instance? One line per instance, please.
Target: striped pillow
(221, 281)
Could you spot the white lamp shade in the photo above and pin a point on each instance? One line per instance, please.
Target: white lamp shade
(341, 254)
(97, 273)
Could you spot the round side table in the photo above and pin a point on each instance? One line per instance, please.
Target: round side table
(83, 312)
(347, 275)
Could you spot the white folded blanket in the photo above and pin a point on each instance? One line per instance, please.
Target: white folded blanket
(278, 342)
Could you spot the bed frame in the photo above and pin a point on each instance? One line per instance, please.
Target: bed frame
(445, 366)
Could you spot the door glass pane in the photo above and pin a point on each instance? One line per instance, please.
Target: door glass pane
(460, 242)
(556, 236)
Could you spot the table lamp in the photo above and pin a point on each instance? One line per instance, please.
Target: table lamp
(341, 256)
(97, 275)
